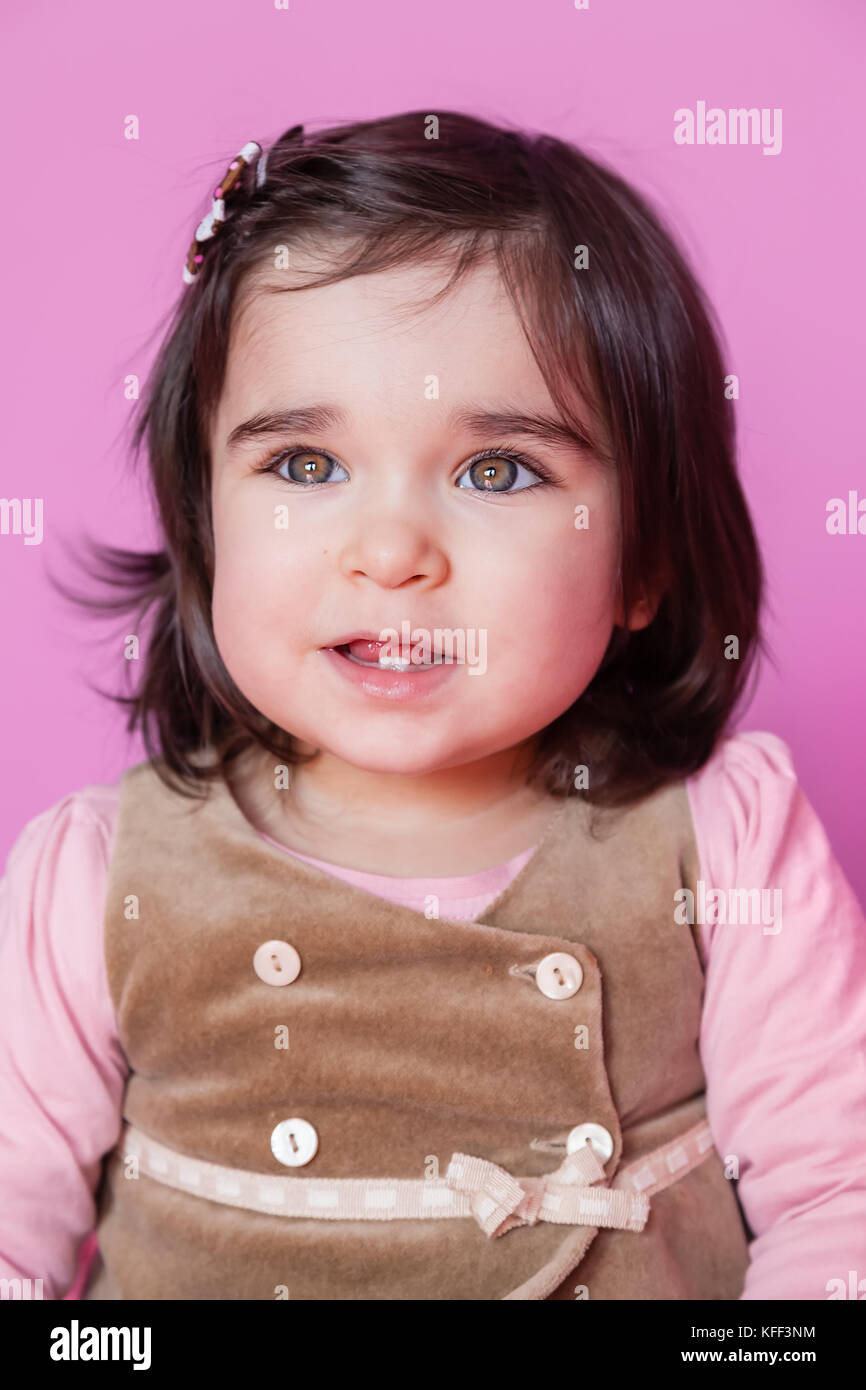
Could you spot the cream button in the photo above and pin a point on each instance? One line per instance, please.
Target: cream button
(277, 963)
(559, 975)
(294, 1142)
(600, 1138)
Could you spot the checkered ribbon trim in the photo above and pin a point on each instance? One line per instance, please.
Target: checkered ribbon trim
(472, 1186)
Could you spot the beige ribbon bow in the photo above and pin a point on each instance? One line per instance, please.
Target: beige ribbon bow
(499, 1201)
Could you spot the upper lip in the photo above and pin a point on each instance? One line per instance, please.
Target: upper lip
(359, 637)
(435, 649)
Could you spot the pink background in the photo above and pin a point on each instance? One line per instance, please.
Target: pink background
(96, 228)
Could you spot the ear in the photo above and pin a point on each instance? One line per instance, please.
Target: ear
(641, 614)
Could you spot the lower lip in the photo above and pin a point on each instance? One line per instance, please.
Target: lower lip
(391, 685)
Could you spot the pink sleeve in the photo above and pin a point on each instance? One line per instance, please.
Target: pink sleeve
(62, 1071)
(783, 1034)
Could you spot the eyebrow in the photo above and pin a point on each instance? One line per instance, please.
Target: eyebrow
(271, 422)
(546, 428)
(474, 421)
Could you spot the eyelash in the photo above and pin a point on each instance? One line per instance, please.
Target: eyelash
(272, 463)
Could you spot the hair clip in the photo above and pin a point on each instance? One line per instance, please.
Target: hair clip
(250, 154)
(216, 218)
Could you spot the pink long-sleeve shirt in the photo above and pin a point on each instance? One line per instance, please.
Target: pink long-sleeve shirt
(782, 1041)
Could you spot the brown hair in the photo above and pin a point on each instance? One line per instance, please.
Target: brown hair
(633, 330)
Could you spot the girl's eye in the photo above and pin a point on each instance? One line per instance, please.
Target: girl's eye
(495, 471)
(306, 466)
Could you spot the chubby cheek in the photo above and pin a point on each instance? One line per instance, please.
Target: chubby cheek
(555, 611)
(264, 595)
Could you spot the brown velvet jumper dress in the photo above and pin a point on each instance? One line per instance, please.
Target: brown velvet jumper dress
(368, 1042)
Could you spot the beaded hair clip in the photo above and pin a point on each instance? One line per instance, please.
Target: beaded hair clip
(250, 155)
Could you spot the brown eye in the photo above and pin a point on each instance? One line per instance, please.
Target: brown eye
(493, 474)
(504, 470)
(309, 467)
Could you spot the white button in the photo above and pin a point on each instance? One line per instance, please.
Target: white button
(600, 1138)
(294, 1142)
(559, 976)
(277, 963)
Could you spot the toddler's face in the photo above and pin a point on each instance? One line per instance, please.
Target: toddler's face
(382, 518)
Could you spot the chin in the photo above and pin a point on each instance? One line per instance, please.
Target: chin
(394, 754)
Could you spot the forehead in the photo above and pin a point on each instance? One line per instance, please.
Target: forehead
(376, 340)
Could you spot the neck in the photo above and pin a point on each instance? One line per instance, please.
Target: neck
(453, 821)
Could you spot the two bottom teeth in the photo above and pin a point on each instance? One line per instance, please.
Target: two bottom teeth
(396, 663)
(390, 663)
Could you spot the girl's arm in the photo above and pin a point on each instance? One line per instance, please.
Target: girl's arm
(62, 1071)
(783, 1036)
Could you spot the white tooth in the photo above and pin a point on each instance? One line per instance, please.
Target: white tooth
(394, 663)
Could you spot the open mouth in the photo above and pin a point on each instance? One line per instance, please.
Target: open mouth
(390, 670)
(371, 654)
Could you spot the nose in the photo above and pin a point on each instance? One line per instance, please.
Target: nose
(394, 554)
